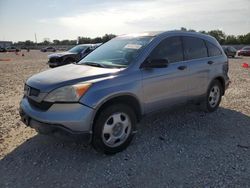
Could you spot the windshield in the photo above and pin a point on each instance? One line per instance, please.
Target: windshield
(246, 48)
(119, 52)
(232, 49)
(77, 49)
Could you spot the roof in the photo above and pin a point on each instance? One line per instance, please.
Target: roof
(141, 34)
(157, 33)
(89, 44)
(171, 32)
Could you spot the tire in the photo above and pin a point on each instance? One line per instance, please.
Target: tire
(211, 104)
(119, 120)
(51, 66)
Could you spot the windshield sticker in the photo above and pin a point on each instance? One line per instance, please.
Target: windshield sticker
(133, 46)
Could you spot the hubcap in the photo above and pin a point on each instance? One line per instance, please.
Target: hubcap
(116, 129)
(214, 96)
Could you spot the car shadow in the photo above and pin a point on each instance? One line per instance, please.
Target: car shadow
(164, 143)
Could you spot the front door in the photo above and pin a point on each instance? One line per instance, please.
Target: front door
(166, 86)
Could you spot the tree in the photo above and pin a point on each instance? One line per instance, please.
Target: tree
(231, 39)
(97, 40)
(84, 40)
(103, 39)
(46, 41)
(183, 29)
(56, 42)
(203, 32)
(191, 30)
(107, 37)
(245, 39)
(219, 35)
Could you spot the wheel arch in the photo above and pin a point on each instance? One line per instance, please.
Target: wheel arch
(127, 99)
(222, 81)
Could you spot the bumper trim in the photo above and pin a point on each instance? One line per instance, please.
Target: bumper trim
(54, 129)
(74, 116)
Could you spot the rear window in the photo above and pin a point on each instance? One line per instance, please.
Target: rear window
(213, 50)
(194, 48)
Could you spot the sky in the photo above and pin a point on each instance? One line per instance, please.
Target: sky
(68, 19)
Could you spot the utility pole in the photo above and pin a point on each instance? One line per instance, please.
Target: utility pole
(35, 40)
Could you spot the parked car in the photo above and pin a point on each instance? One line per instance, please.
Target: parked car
(48, 49)
(75, 54)
(12, 49)
(3, 49)
(230, 51)
(106, 94)
(244, 51)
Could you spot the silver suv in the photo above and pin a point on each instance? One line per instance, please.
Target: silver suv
(104, 96)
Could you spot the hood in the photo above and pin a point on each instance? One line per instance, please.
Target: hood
(68, 75)
(61, 54)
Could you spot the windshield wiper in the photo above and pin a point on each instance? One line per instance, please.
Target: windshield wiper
(94, 64)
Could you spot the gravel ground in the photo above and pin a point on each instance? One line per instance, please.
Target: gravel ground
(182, 147)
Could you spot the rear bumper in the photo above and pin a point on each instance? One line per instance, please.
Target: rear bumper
(73, 118)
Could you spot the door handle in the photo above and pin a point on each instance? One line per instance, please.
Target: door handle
(210, 62)
(182, 67)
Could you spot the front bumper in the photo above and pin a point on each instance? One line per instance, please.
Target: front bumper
(73, 118)
(54, 64)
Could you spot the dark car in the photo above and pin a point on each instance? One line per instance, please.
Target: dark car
(48, 49)
(229, 51)
(75, 54)
(3, 49)
(244, 51)
(12, 49)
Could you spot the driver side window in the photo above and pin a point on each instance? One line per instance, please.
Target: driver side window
(169, 49)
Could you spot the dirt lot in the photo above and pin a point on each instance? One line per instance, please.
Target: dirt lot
(177, 148)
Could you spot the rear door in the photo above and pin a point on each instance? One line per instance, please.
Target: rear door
(163, 87)
(196, 56)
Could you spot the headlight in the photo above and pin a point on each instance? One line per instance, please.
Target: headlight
(68, 93)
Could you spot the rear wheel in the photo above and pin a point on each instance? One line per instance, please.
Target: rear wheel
(213, 97)
(113, 129)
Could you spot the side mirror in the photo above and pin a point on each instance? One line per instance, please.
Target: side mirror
(155, 63)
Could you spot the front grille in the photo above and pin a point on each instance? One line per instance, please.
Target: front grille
(44, 106)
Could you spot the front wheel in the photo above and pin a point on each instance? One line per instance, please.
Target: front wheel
(213, 97)
(114, 129)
